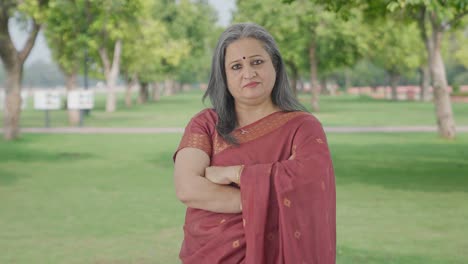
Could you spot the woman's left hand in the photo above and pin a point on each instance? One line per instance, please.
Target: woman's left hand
(222, 175)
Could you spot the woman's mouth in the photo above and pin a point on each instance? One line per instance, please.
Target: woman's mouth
(251, 85)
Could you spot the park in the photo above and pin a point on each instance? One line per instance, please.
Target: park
(95, 184)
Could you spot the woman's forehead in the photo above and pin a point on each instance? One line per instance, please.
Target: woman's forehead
(243, 49)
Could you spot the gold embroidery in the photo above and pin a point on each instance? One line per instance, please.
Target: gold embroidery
(199, 141)
(287, 202)
(263, 127)
(235, 244)
(222, 221)
(319, 140)
(297, 234)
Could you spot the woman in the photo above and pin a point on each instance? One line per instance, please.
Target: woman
(255, 171)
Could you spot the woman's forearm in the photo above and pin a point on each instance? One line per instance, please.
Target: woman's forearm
(203, 194)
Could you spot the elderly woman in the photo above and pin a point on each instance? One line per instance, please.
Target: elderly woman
(255, 170)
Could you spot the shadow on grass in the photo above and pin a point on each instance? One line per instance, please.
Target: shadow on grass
(420, 167)
(8, 177)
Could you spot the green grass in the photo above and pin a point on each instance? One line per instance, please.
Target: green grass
(175, 111)
(401, 198)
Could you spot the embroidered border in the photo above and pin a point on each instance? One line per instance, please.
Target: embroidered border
(199, 141)
(255, 131)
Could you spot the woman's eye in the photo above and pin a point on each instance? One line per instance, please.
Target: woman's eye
(257, 62)
(236, 67)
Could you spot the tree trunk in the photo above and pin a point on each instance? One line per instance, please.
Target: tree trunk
(394, 81)
(131, 83)
(168, 87)
(144, 93)
(323, 86)
(315, 89)
(156, 92)
(13, 61)
(12, 109)
(294, 77)
(177, 87)
(443, 105)
(425, 82)
(111, 72)
(347, 79)
(70, 83)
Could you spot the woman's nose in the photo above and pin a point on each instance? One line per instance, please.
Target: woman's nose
(249, 72)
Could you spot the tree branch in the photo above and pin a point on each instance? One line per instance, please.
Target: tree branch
(23, 54)
(459, 16)
(8, 51)
(105, 60)
(117, 52)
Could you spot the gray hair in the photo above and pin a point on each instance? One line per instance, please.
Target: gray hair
(220, 97)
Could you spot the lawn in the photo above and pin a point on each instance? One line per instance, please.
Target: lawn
(175, 111)
(401, 198)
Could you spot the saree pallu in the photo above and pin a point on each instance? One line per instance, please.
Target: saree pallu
(287, 194)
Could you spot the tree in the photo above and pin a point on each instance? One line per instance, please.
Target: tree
(151, 49)
(434, 17)
(65, 33)
(395, 47)
(109, 24)
(33, 12)
(196, 22)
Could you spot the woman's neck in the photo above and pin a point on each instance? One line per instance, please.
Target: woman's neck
(247, 114)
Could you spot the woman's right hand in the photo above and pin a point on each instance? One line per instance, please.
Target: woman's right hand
(223, 175)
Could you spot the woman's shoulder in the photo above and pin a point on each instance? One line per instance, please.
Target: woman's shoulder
(206, 120)
(302, 117)
(206, 115)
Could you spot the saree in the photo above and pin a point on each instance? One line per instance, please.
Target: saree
(287, 190)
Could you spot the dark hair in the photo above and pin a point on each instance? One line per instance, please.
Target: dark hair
(220, 97)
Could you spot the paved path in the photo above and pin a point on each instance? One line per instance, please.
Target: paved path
(162, 130)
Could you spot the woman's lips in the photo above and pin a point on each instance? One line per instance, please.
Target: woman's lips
(251, 85)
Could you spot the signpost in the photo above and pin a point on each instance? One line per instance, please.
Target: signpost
(81, 100)
(47, 100)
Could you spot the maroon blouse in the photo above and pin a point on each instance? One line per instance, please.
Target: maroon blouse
(287, 191)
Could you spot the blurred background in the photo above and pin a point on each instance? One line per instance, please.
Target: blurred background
(95, 94)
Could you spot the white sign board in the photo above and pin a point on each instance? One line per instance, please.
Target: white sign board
(24, 99)
(81, 99)
(47, 100)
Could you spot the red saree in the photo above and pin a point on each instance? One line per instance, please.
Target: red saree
(287, 191)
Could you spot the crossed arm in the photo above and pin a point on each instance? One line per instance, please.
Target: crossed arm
(203, 187)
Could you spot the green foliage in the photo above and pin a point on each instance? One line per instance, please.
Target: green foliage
(195, 23)
(66, 34)
(396, 47)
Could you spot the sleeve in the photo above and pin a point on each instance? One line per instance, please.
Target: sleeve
(289, 206)
(197, 134)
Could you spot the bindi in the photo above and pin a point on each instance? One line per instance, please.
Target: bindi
(243, 58)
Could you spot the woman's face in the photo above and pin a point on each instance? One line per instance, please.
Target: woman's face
(249, 71)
